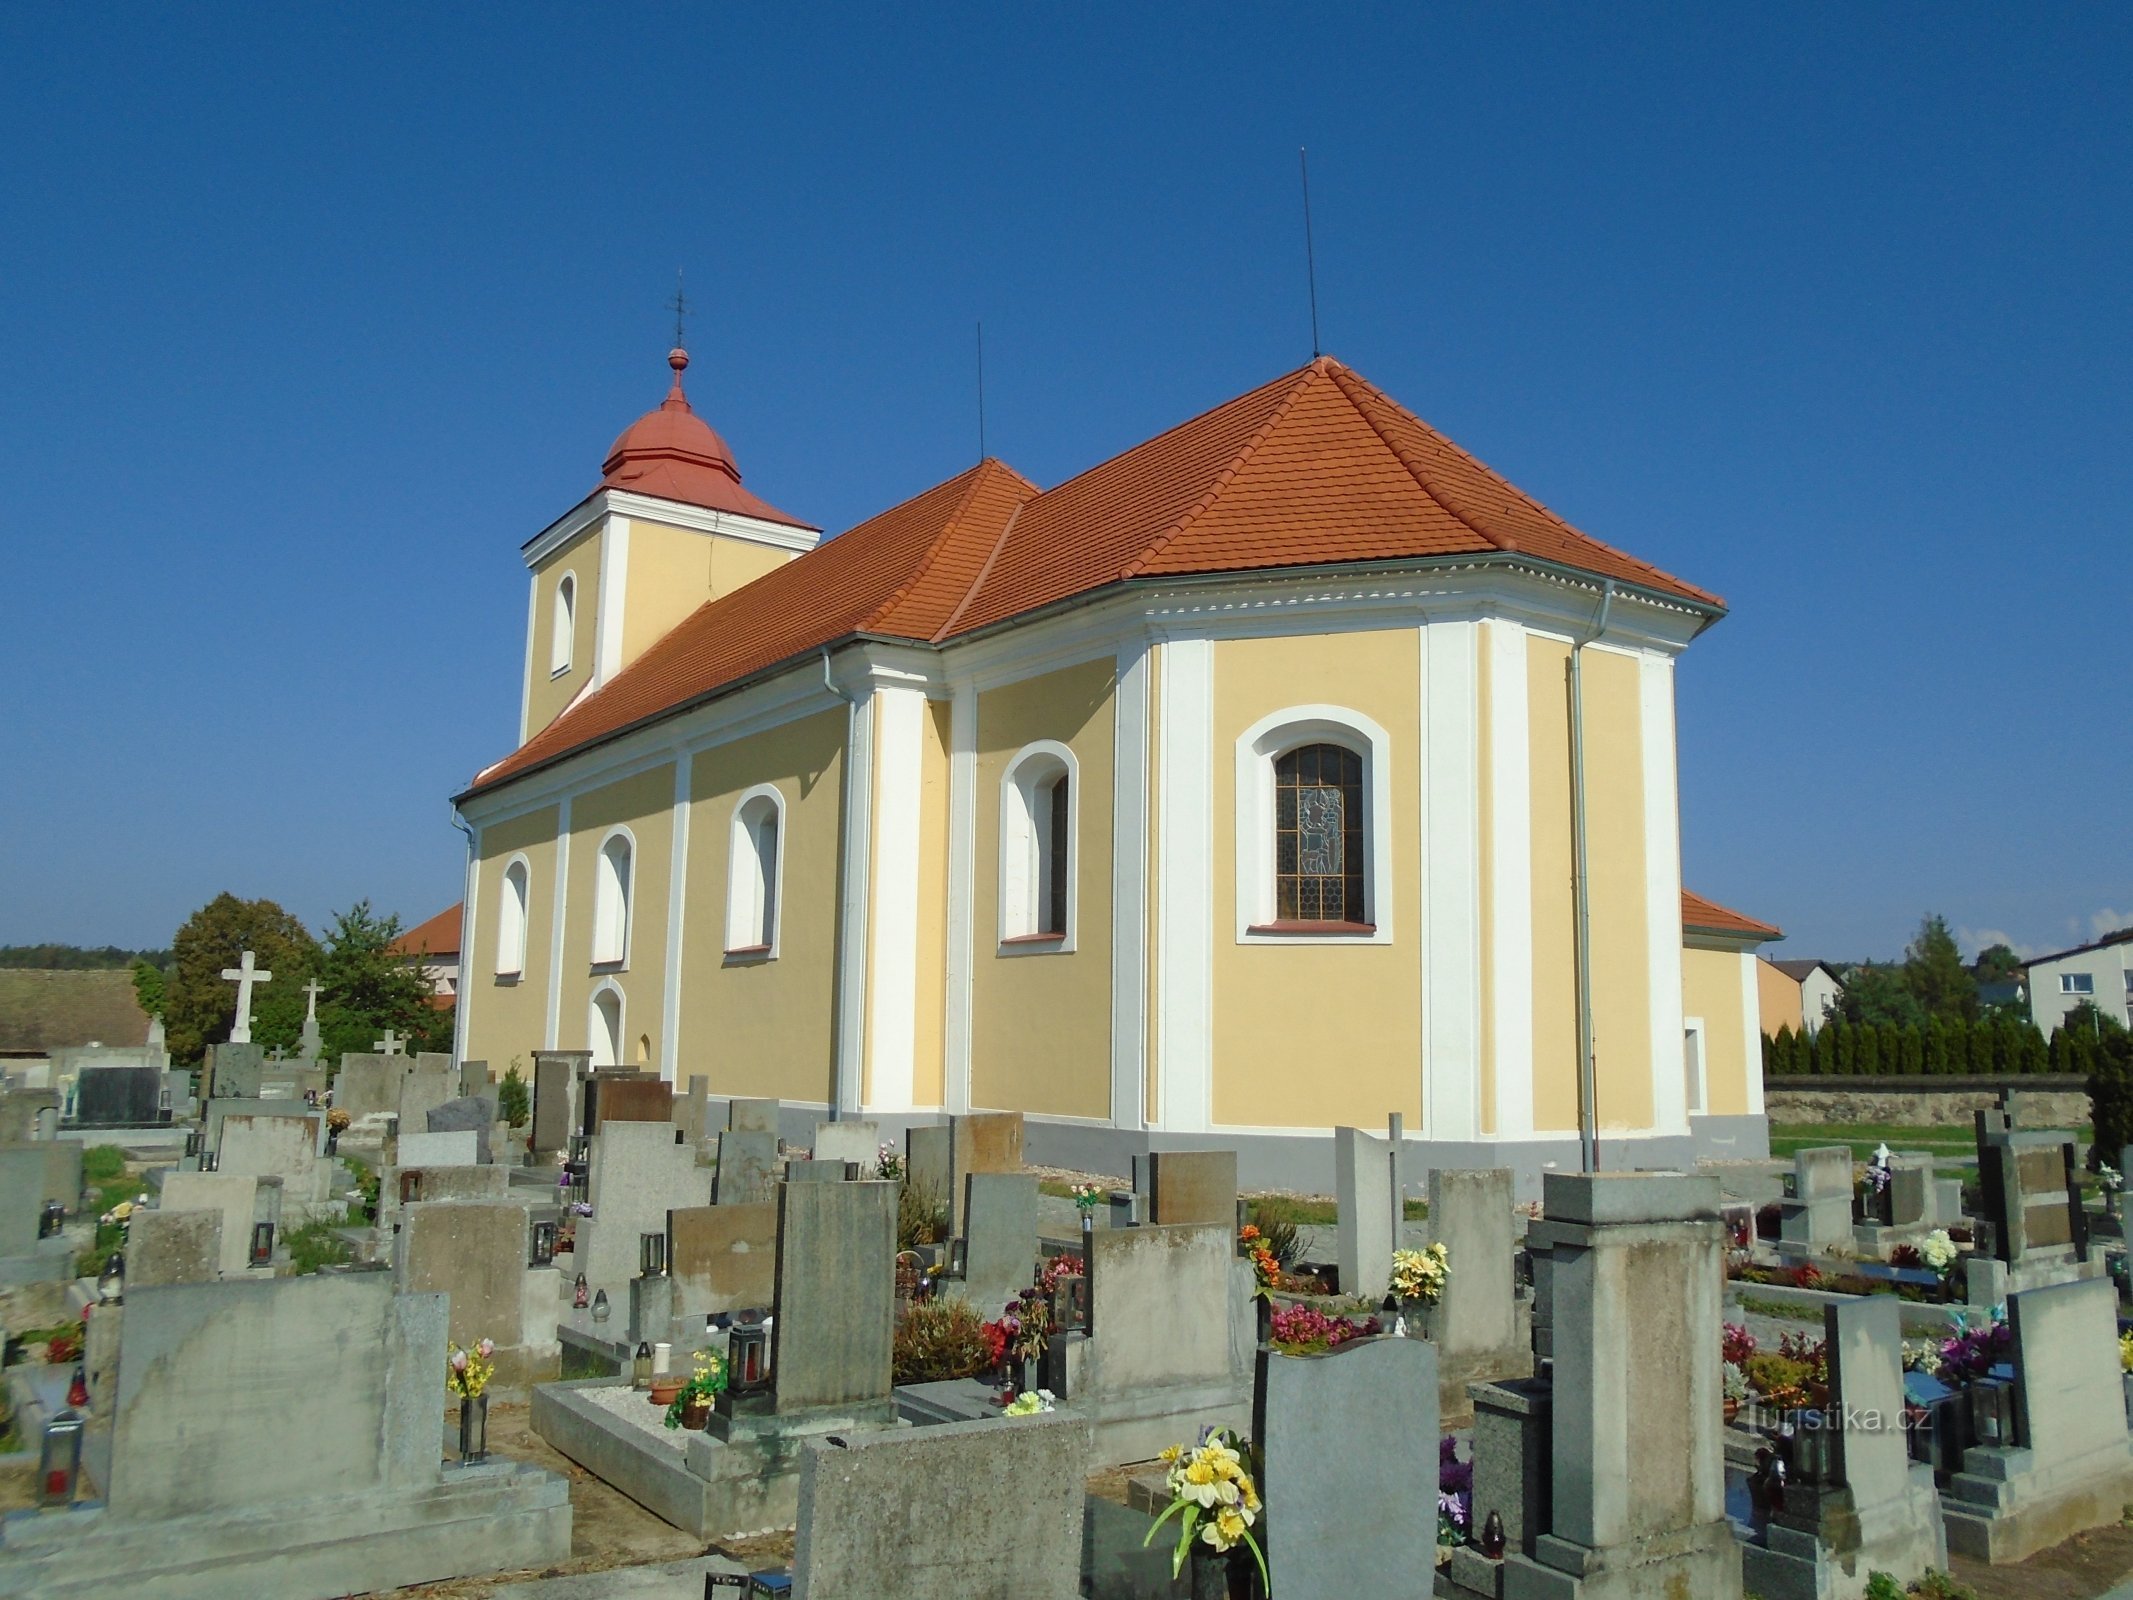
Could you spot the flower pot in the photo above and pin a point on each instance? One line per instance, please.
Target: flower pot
(664, 1390)
(1732, 1410)
(696, 1414)
(473, 1429)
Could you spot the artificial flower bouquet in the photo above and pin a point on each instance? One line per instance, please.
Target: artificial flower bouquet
(1419, 1274)
(467, 1372)
(1213, 1496)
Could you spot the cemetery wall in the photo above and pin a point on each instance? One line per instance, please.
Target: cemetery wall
(512, 1018)
(643, 803)
(547, 696)
(1933, 1103)
(773, 1020)
(1040, 1029)
(1713, 988)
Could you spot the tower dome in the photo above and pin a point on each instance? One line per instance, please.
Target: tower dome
(673, 454)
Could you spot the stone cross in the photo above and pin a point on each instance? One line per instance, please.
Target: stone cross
(312, 991)
(244, 975)
(389, 1045)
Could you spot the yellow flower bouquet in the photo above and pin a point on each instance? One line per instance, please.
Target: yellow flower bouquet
(467, 1372)
(1213, 1496)
(1419, 1274)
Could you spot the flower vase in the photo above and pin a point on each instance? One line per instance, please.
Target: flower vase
(1026, 1375)
(1418, 1315)
(696, 1414)
(473, 1429)
(1224, 1574)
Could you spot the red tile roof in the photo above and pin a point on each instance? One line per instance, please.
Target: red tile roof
(437, 937)
(1316, 468)
(1708, 916)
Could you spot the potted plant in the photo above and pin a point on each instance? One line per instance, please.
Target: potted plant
(689, 1404)
(1418, 1279)
(1216, 1501)
(467, 1374)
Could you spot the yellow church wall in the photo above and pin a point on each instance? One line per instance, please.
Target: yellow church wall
(644, 804)
(1040, 1033)
(754, 1026)
(510, 1019)
(672, 571)
(928, 1059)
(1711, 989)
(1312, 1035)
(547, 696)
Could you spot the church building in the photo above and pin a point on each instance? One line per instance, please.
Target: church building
(1289, 770)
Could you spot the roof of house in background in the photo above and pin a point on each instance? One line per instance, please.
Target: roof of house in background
(1699, 915)
(48, 1010)
(1801, 970)
(437, 937)
(2121, 936)
(1317, 468)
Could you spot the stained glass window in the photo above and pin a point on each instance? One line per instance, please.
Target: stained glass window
(1318, 835)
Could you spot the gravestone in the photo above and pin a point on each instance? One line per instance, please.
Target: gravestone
(475, 1253)
(1366, 1193)
(62, 1172)
(2070, 1467)
(1000, 1238)
(555, 1090)
(425, 1086)
(173, 1247)
(929, 1163)
(1638, 1267)
(752, 1116)
(858, 1142)
(233, 1071)
(1163, 1358)
(836, 1304)
(474, 1079)
(476, 1114)
(1513, 1431)
(634, 1100)
(640, 1172)
(118, 1097)
(2029, 1187)
(1475, 1324)
(1911, 1192)
(983, 1141)
(748, 1169)
(235, 1199)
(723, 1258)
(461, 1149)
(1335, 1431)
(404, 1186)
(282, 1145)
(367, 1085)
(1187, 1188)
(22, 1175)
(1819, 1214)
(281, 1437)
(692, 1110)
(804, 1169)
(940, 1513)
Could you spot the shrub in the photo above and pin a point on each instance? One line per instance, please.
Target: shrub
(513, 1100)
(316, 1245)
(921, 1215)
(1770, 1373)
(1276, 1230)
(938, 1340)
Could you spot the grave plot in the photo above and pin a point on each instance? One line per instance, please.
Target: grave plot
(479, 1254)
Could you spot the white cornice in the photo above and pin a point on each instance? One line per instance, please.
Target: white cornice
(671, 513)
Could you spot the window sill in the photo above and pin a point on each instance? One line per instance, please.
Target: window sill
(1035, 938)
(559, 672)
(508, 980)
(607, 969)
(1317, 930)
(753, 955)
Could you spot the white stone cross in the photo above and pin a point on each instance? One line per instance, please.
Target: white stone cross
(312, 991)
(244, 975)
(389, 1045)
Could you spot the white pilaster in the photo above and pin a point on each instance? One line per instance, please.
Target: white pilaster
(962, 854)
(857, 881)
(1185, 909)
(1751, 1020)
(462, 1011)
(677, 919)
(614, 585)
(525, 693)
(1451, 884)
(1510, 878)
(1129, 891)
(892, 987)
(555, 932)
(1662, 879)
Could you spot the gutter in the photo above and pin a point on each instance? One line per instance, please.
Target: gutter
(1581, 893)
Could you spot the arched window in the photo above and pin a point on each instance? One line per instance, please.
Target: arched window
(606, 1027)
(563, 626)
(1318, 836)
(1313, 841)
(753, 866)
(611, 901)
(1038, 807)
(511, 921)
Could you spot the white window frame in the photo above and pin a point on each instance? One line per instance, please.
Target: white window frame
(747, 936)
(611, 923)
(593, 1024)
(1025, 849)
(1696, 1075)
(563, 625)
(1258, 748)
(2069, 985)
(513, 907)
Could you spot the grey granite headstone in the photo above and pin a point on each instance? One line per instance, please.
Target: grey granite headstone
(366, 1085)
(723, 1258)
(459, 1148)
(475, 1114)
(1159, 1307)
(233, 1071)
(836, 1305)
(474, 1253)
(1363, 1192)
(1192, 1187)
(1911, 1192)
(1512, 1429)
(752, 1116)
(554, 1099)
(1335, 1429)
(640, 1172)
(22, 1173)
(1471, 1214)
(1000, 1230)
(748, 1169)
(474, 1079)
(803, 1169)
(173, 1247)
(236, 1200)
(929, 1165)
(858, 1142)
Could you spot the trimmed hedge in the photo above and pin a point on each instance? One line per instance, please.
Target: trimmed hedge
(1991, 1047)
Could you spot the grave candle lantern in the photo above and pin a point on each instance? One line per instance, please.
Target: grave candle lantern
(543, 1243)
(111, 1282)
(193, 1140)
(747, 1352)
(59, 1460)
(651, 1255)
(53, 1220)
(600, 1306)
(578, 1296)
(1814, 1451)
(1992, 1413)
(78, 1387)
(262, 1244)
(641, 1367)
(1492, 1536)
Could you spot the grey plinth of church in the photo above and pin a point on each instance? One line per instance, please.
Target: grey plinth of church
(1637, 1284)
(282, 1437)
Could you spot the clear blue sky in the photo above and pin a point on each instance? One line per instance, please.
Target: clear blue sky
(309, 316)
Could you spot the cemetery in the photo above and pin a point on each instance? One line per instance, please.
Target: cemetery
(836, 1362)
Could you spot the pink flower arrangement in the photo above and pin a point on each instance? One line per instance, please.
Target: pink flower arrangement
(1305, 1330)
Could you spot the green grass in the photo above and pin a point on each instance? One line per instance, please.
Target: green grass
(1786, 1138)
(101, 1163)
(316, 1245)
(1785, 1310)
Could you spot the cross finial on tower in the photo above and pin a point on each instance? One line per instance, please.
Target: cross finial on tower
(680, 305)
